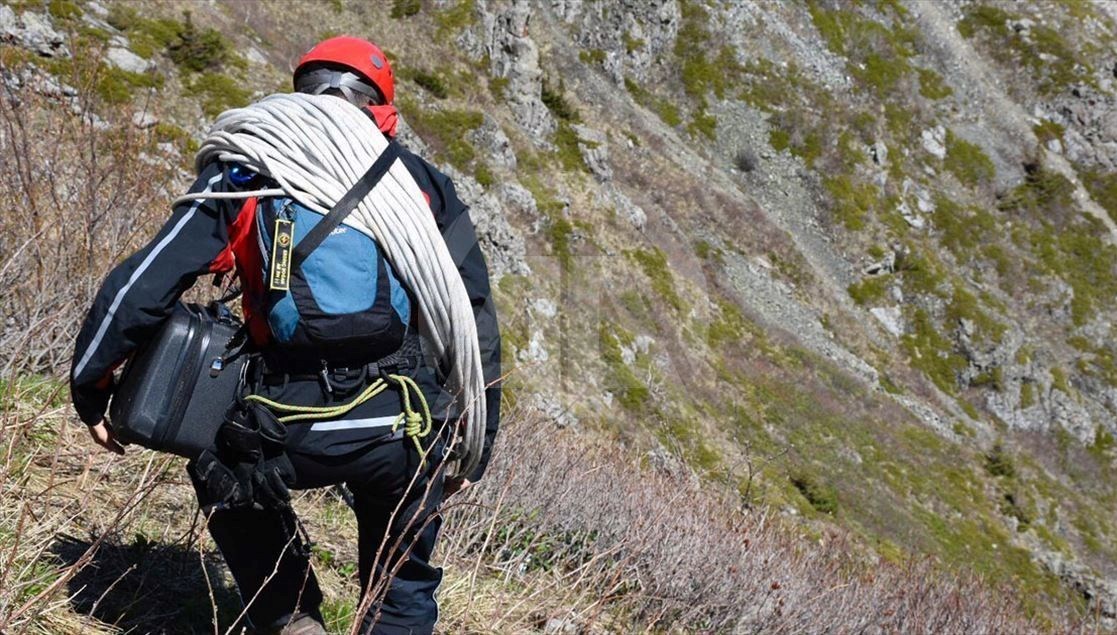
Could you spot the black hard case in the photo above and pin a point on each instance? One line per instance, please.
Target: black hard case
(171, 395)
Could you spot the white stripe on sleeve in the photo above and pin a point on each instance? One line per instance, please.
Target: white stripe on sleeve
(104, 327)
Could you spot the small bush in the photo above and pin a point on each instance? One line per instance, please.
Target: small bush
(964, 230)
(1103, 188)
(455, 18)
(851, 201)
(405, 8)
(703, 124)
(746, 160)
(560, 232)
(984, 17)
(497, 86)
(779, 139)
(632, 393)
(654, 263)
(1059, 380)
(933, 353)
(932, 86)
(592, 56)
(1013, 505)
(999, 463)
(218, 92)
(870, 290)
(116, 86)
(1103, 441)
(1047, 130)
(632, 44)
(1027, 395)
(484, 175)
(701, 74)
(199, 50)
(148, 36)
(64, 9)
(666, 110)
(967, 161)
(822, 497)
(567, 149)
(1042, 195)
(728, 328)
(430, 82)
(447, 131)
(555, 101)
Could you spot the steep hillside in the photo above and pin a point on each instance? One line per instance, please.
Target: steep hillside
(853, 262)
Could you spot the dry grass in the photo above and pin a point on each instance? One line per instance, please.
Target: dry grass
(563, 531)
(578, 533)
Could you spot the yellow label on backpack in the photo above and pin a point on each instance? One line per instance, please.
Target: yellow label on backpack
(279, 274)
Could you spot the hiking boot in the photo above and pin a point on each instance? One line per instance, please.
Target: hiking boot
(303, 624)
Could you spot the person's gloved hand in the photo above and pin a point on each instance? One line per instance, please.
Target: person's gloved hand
(103, 436)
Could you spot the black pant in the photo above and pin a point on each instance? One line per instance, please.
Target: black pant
(379, 474)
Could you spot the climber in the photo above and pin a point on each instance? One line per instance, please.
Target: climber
(359, 448)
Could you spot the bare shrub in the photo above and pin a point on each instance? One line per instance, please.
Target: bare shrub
(585, 536)
(78, 195)
(563, 531)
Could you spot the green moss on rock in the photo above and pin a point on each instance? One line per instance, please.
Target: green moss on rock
(654, 264)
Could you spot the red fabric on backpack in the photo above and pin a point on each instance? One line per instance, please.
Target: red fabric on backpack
(243, 253)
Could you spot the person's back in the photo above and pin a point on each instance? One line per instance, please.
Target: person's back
(340, 368)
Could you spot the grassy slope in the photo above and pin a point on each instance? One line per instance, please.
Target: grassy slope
(719, 389)
(565, 531)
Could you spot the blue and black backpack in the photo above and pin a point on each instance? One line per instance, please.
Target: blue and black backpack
(329, 293)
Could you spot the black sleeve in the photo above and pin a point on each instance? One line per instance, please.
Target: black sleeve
(458, 231)
(141, 291)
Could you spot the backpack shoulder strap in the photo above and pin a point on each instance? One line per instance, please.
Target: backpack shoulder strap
(346, 204)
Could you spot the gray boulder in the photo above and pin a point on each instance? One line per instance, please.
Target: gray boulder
(32, 31)
(632, 33)
(493, 144)
(126, 60)
(502, 244)
(595, 152)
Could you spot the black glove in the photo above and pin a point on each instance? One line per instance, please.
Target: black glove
(270, 481)
(250, 467)
(225, 486)
(273, 473)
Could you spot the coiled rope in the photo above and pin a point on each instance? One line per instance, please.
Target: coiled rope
(316, 147)
(416, 423)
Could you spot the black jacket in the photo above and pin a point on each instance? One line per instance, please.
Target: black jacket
(141, 291)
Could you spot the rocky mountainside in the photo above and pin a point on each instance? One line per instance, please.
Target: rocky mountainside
(854, 261)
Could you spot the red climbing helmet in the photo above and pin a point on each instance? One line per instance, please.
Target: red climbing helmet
(362, 57)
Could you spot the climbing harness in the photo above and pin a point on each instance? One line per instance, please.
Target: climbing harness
(416, 423)
(316, 147)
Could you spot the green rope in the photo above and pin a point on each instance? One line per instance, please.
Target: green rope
(416, 423)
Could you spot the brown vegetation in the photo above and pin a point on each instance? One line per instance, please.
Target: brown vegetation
(561, 529)
(78, 195)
